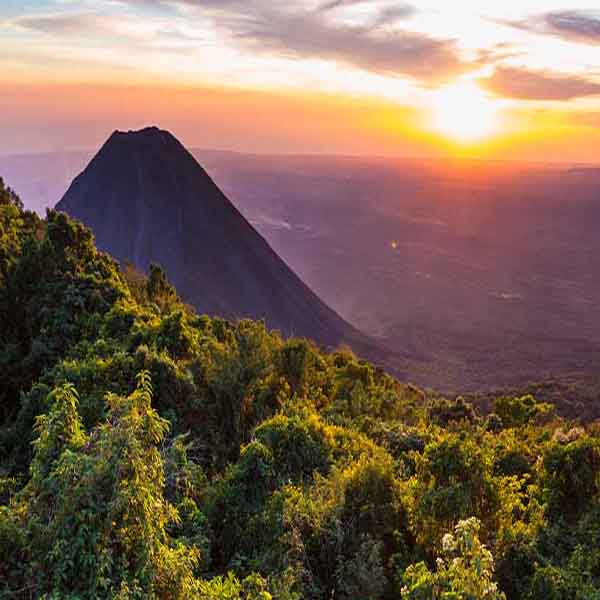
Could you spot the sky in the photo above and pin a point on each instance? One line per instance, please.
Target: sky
(510, 79)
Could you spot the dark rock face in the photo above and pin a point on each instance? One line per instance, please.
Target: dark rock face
(148, 200)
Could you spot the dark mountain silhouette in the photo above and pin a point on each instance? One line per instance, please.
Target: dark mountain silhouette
(148, 200)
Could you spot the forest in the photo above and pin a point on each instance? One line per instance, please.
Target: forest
(150, 452)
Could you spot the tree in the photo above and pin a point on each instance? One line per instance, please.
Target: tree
(158, 288)
(516, 412)
(453, 480)
(8, 197)
(464, 571)
(97, 517)
(572, 477)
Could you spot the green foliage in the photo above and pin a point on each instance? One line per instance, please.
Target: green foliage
(299, 446)
(158, 289)
(444, 412)
(54, 290)
(362, 575)
(549, 583)
(346, 533)
(149, 452)
(463, 572)
(253, 587)
(572, 477)
(96, 514)
(516, 412)
(453, 480)
(8, 197)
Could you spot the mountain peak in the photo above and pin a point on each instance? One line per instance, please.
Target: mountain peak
(146, 135)
(150, 131)
(148, 200)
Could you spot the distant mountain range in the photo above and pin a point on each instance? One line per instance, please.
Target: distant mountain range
(148, 200)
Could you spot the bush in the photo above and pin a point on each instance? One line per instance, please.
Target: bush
(572, 477)
(464, 571)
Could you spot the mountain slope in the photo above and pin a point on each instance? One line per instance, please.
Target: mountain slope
(148, 200)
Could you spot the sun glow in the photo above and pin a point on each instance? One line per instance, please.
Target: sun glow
(464, 112)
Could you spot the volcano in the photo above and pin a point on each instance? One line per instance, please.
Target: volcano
(148, 200)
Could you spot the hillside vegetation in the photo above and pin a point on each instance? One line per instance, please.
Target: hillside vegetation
(149, 452)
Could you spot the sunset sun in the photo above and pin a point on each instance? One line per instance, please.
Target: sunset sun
(463, 112)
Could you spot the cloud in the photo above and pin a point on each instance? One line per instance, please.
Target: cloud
(393, 13)
(524, 84)
(332, 4)
(397, 10)
(296, 31)
(64, 24)
(581, 26)
(577, 25)
(307, 34)
(401, 53)
(158, 35)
